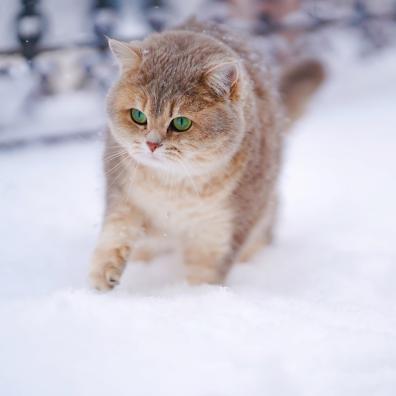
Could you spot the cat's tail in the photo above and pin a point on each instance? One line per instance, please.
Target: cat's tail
(297, 85)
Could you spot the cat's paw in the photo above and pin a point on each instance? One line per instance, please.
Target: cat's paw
(201, 276)
(107, 267)
(105, 277)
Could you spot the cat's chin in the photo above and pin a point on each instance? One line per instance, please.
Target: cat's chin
(176, 168)
(156, 162)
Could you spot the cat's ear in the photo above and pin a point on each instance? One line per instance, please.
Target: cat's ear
(128, 55)
(223, 77)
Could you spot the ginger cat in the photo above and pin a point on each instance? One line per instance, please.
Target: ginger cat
(193, 151)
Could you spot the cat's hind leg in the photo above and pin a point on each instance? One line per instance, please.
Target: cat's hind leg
(251, 249)
(263, 235)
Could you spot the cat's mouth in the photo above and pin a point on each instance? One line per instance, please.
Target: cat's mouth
(156, 159)
(166, 158)
(148, 158)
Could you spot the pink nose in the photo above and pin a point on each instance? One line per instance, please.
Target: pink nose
(152, 146)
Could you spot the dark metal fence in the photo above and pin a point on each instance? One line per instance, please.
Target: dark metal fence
(31, 23)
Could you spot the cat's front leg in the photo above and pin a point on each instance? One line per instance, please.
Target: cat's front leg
(208, 257)
(120, 229)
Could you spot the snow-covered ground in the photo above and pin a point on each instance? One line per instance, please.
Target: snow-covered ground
(314, 314)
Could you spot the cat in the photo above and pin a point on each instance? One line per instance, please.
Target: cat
(193, 151)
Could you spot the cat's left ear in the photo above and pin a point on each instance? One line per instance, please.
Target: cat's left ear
(223, 78)
(128, 55)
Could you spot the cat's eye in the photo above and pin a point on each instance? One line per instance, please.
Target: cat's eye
(138, 116)
(181, 124)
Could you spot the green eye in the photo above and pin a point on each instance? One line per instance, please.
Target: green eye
(181, 124)
(138, 116)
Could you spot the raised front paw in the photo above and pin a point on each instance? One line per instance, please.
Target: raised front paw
(106, 270)
(105, 278)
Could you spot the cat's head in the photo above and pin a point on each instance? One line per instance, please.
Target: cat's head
(177, 104)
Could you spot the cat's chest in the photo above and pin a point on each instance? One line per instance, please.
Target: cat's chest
(176, 210)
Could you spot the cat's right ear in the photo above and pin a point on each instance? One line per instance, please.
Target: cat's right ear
(128, 55)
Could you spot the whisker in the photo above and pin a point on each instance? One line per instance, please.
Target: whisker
(116, 166)
(118, 172)
(130, 181)
(114, 153)
(188, 174)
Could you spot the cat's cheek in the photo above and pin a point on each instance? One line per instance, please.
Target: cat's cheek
(125, 140)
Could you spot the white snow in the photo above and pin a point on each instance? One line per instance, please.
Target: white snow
(312, 315)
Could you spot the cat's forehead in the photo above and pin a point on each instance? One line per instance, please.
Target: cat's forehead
(169, 102)
(172, 71)
(173, 83)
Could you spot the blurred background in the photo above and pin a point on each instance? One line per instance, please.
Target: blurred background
(55, 66)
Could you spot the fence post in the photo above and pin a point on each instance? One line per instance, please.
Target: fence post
(30, 26)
